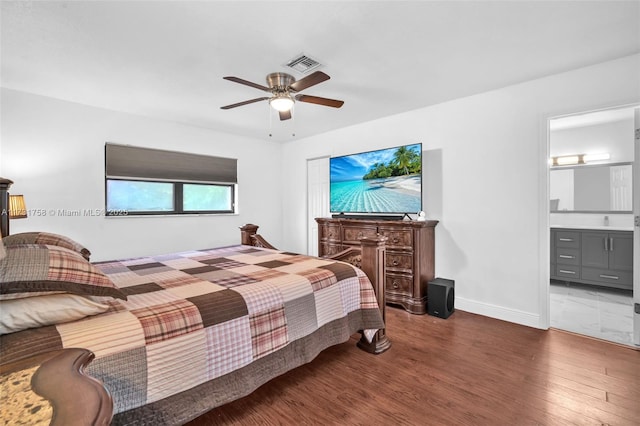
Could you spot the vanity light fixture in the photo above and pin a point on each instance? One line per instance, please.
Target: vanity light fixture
(589, 158)
(569, 160)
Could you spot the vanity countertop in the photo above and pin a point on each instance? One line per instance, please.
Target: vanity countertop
(594, 227)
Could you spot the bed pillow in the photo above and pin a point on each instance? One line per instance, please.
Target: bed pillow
(47, 238)
(35, 269)
(38, 311)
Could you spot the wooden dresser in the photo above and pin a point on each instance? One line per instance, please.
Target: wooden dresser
(410, 260)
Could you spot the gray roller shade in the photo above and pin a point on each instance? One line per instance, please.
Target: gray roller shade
(125, 161)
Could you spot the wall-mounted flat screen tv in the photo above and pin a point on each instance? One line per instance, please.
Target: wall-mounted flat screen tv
(385, 181)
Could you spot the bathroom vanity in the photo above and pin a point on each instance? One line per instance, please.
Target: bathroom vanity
(600, 256)
(586, 247)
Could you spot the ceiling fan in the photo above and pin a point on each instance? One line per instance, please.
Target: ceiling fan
(281, 86)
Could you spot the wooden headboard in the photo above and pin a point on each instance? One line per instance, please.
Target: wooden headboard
(5, 184)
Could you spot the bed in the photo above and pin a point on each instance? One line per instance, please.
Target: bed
(185, 332)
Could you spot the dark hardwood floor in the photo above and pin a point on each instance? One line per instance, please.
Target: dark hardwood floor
(465, 370)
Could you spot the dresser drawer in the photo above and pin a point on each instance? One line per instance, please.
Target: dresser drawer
(568, 271)
(567, 256)
(353, 234)
(568, 239)
(622, 279)
(395, 283)
(402, 238)
(403, 261)
(331, 232)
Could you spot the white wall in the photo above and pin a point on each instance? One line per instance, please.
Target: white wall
(487, 183)
(54, 152)
(615, 138)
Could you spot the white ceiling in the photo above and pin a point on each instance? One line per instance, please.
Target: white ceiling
(167, 59)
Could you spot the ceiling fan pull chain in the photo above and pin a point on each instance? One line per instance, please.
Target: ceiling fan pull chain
(293, 119)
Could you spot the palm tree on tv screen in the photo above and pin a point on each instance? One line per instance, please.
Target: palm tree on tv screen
(402, 158)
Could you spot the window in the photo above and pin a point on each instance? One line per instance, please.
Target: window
(199, 197)
(143, 181)
(138, 196)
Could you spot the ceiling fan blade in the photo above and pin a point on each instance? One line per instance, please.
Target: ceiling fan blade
(320, 101)
(285, 115)
(247, 83)
(244, 103)
(310, 80)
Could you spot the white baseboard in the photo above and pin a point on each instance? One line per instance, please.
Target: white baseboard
(498, 312)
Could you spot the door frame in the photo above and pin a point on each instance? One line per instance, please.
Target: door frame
(315, 198)
(636, 229)
(545, 215)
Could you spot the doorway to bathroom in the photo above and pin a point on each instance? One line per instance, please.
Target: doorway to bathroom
(592, 223)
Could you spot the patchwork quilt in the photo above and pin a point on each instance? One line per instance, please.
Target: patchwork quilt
(197, 316)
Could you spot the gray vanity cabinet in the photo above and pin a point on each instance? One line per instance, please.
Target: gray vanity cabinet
(597, 257)
(607, 258)
(565, 262)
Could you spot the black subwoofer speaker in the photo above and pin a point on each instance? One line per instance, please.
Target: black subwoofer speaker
(440, 297)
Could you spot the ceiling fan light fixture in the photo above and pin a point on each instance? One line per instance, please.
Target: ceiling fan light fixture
(281, 102)
(281, 86)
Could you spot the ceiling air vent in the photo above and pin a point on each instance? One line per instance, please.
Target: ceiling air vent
(303, 64)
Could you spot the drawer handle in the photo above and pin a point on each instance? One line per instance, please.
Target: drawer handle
(566, 256)
(567, 272)
(566, 239)
(395, 284)
(611, 277)
(396, 239)
(359, 234)
(395, 262)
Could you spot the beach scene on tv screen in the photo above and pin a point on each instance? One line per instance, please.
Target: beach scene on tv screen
(382, 181)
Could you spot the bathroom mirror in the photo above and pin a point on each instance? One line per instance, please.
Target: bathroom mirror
(602, 188)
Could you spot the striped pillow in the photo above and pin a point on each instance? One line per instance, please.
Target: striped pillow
(47, 238)
(37, 269)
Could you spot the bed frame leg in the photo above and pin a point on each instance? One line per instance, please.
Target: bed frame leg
(374, 266)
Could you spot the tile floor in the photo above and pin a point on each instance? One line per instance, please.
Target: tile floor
(593, 311)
